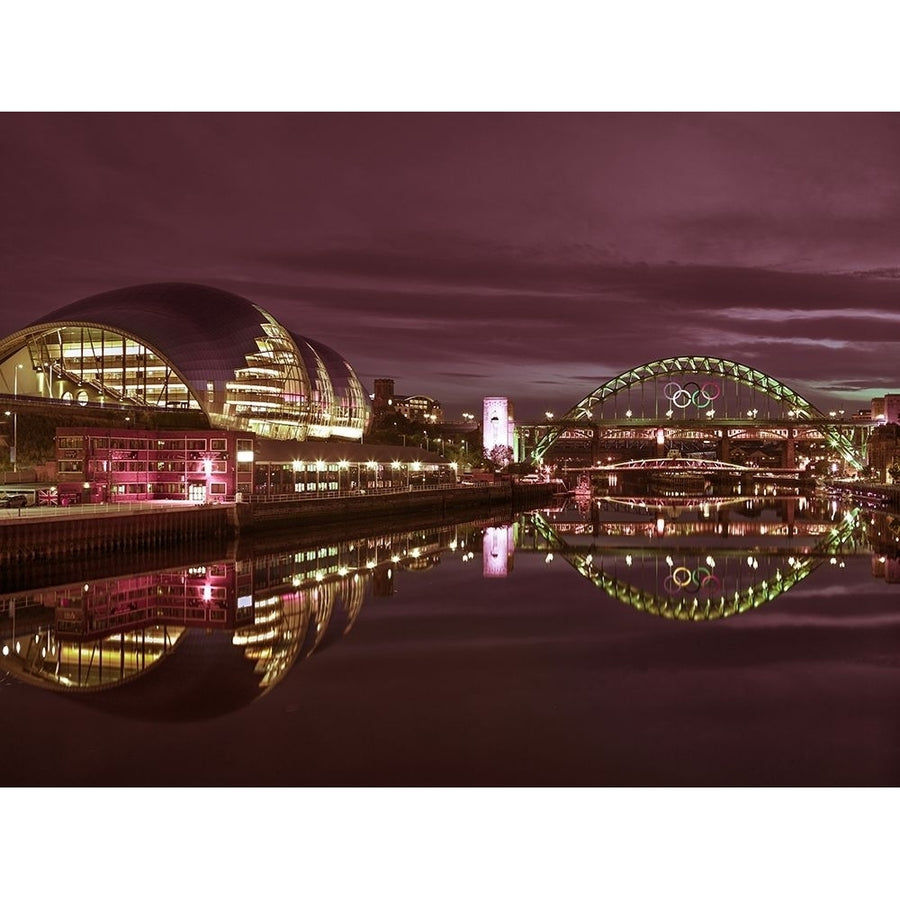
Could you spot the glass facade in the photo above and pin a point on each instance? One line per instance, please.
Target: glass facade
(191, 348)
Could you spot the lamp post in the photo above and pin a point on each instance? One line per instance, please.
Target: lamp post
(15, 447)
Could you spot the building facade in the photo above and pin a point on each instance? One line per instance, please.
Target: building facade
(499, 427)
(416, 407)
(189, 350)
(886, 409)
(102, 465)
(99, 465)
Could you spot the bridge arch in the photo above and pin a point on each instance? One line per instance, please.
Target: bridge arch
(678, 396)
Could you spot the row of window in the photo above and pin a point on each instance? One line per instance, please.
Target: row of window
(165, 487)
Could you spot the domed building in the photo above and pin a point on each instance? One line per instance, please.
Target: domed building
(186, 349)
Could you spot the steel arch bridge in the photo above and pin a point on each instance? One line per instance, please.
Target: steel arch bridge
(718, 605)
(697, 396)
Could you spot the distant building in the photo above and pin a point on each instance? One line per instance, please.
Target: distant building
(883, 449)
(499, 427)
(416, 407)
(419, 408)
(383, 398)
(886, 409)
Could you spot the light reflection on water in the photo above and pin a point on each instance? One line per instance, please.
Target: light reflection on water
(429, 626)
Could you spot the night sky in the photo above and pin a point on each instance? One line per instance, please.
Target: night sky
(466, 255)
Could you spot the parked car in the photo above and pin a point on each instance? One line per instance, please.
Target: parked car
(13, 500)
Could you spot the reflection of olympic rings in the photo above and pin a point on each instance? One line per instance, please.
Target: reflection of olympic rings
(683, 579)
(683, 396)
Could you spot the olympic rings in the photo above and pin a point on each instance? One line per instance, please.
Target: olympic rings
(682, 396)
(683, 579)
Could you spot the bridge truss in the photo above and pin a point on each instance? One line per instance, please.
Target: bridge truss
(698, 390)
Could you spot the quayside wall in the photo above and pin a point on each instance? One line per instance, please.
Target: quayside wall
(885, 495)
(86, 533)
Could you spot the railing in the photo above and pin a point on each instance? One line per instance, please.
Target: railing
(139, 507)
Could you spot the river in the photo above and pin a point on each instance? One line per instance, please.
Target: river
(747, 641)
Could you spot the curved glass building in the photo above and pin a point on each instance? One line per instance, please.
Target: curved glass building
(186, 347)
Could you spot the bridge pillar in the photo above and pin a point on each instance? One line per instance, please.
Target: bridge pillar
(790, 451)
(725, 448)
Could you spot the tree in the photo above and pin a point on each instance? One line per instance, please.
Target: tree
(499, 456)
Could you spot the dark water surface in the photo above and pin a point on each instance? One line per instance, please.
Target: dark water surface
(748, 643)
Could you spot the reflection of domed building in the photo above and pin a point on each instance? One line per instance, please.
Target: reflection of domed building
(177, 644)
(203, 640)
(189, 349)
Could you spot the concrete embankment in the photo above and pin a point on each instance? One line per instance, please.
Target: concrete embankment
(85, 534)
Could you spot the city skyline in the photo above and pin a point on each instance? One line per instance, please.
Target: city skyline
(469, 255)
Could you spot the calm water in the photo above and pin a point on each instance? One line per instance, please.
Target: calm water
(753, 642)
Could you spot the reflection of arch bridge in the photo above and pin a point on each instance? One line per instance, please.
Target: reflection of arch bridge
(696, 591)
(704, 399)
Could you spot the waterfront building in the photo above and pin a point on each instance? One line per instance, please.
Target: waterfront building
(103, 465)
(306, 469)
(187, 355)
(883, 450)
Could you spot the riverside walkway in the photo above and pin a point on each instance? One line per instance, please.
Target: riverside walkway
(34, 533)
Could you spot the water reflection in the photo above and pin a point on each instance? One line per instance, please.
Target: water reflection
(198, 640)
(697, 560)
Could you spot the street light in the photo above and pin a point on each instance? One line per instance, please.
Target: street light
(549, 415)
(15, 446)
